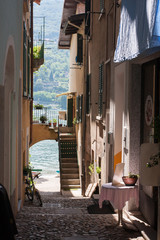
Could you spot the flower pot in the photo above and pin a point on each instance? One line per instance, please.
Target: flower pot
(128, 181)
(54, 124)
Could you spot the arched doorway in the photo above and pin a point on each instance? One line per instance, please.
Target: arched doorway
(7, 165)
(44, 155)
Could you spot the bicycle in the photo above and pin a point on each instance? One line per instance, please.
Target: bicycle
(30, 190)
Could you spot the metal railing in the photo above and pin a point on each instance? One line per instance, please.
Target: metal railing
(50, 114)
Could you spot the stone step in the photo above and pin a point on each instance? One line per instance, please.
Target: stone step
(67, 138)
(70, 170)
(68, 160)
(67, 187)
(70, 176)
(70, 182)
(67, 135)
(69, 165)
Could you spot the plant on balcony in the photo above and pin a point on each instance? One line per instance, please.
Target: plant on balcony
(38, 106)
(43, 118)
(38, 52)
(50, 123)
(54, 122)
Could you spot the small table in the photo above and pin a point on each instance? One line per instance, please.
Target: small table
(118, 195)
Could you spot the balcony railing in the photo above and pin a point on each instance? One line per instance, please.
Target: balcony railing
(38, 43)
(50, 114)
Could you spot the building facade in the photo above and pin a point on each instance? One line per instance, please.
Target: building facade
(120, 92)
(15, 97)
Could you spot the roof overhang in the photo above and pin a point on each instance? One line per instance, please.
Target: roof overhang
(73, 24)
(66, 94)
(69, 9)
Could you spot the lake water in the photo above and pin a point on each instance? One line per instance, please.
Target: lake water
(45, 155)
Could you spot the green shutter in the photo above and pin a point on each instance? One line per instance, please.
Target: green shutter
(79, 48)
(88, 93)
(29, 75)
(87, 17)
(80, 107)
(70, 113)
(100, 88)
(24, 61)
(77, 108)
(101, 5)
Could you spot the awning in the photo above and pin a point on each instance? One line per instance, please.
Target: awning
(66, 93)
(139, 31)
(73, 24)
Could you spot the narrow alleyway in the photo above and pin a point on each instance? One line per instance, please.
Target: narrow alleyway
(67, 218)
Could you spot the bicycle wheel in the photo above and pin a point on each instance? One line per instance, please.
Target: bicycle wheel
(38, 197)
(29, 193)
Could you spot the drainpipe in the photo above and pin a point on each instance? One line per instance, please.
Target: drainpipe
(31, 103)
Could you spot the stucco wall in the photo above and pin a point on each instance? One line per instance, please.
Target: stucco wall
(10, 42)
(76, 74)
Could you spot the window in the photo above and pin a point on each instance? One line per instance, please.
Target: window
(100, 88)
(24, 61)
(79, 49)
(79, 108)
(87, 17)
(88, 93)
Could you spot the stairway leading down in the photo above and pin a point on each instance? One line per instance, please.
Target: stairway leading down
(69, 169)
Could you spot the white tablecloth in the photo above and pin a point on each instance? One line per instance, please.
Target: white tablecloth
(118, 195)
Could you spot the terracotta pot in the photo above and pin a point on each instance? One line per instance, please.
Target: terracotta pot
(54, 124)
(129, 181)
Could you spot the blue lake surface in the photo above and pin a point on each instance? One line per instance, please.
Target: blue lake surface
(45, 155)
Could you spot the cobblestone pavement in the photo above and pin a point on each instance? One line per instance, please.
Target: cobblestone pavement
(63, 218)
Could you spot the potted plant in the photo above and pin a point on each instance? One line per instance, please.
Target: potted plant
(43, 118)
(38, 106)
(54, 122)
(131, 179)
(91, 168)
(50, 123)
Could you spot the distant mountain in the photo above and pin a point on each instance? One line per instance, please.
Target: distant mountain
(52, 77)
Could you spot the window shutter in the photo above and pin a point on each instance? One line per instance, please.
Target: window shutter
(101, 5)
(79, 48)
(88, 93)
(87, 17)
(80, 107)
(29, 76)
(100, 100)
(70, 113)
(77, 108)
(24, 61)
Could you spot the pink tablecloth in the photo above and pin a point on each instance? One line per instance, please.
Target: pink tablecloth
(118, 195)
